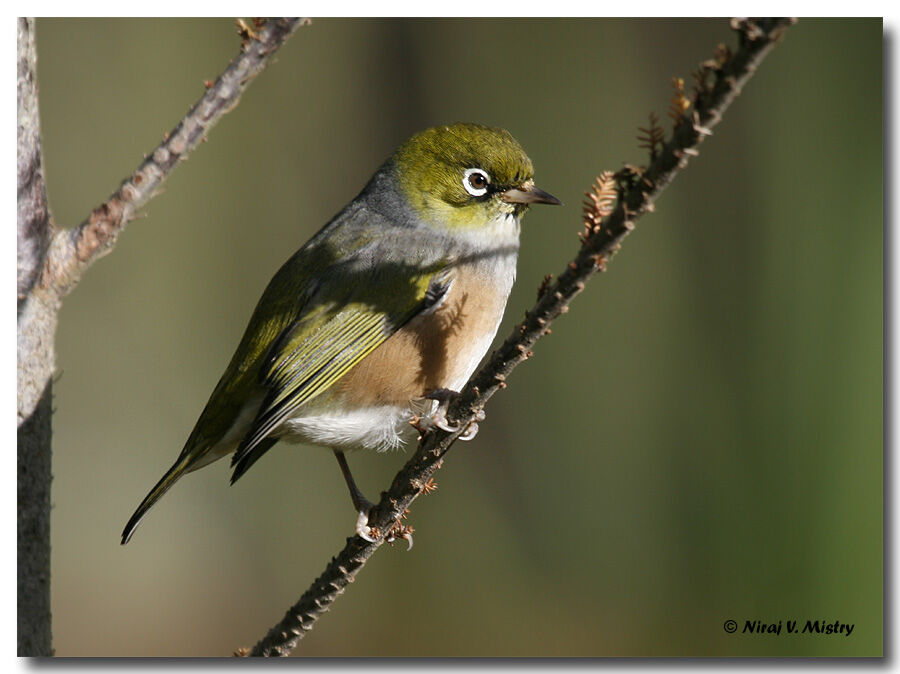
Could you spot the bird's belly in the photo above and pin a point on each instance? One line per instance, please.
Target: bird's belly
(370, 407)
(378, 427)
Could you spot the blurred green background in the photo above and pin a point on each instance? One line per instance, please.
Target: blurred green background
(699, 440)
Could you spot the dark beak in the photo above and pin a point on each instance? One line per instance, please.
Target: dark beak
(527, 193)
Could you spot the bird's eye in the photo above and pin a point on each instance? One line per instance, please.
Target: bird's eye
(476, 182)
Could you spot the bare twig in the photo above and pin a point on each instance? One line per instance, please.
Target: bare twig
(638, 188)
(74, 250)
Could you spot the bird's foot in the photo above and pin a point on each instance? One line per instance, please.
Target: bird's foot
(438, 418)
(372, 534)
(363, 530)
(362, 505)
(400, 530)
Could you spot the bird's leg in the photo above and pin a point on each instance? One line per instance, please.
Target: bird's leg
(444, 397)
(360, 502)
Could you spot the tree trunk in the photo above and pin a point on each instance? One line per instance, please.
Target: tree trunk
(36, 324)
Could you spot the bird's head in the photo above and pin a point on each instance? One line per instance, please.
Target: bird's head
(466, 176)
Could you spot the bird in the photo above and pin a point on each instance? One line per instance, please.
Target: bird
(383, 314)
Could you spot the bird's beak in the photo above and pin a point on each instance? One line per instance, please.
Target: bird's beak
(527, 193)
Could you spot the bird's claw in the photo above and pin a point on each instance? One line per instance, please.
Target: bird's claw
(403, 531)
(439, 419)
(470, 432)
(363, 530)
(371, 534)
(439, 416)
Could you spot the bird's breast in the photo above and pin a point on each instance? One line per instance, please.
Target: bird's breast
(437, 349)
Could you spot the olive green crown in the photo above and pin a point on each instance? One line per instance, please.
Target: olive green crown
(430, 165)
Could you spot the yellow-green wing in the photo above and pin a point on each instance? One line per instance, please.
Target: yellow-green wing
(316, 351)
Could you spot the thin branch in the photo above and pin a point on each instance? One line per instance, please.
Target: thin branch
(638, 188)
(74, 250)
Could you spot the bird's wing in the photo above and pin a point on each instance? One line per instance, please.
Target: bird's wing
(336, 331)
(334, 301)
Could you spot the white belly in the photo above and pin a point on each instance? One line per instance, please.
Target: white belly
(379, 428)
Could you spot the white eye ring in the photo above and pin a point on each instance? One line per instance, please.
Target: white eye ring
(470, 187)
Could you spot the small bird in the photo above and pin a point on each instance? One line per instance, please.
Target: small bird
(383, 314)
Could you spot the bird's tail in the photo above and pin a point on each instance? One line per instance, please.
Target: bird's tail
(170, 478)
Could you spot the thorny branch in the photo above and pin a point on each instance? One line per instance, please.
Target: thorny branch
(718, 82)
(73, 250)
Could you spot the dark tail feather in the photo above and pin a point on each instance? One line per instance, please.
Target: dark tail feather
(246, 459)
(170, 478)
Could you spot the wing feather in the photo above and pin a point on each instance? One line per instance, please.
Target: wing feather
(312, 354)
